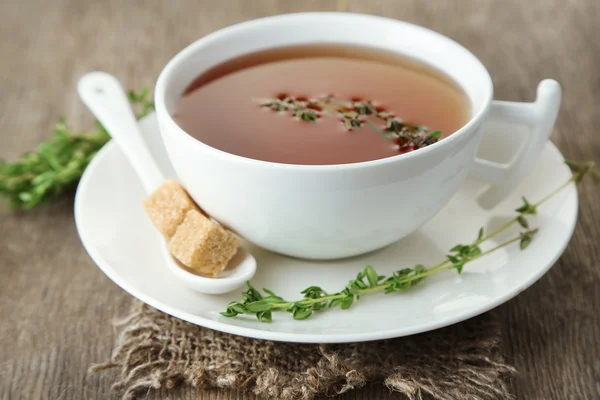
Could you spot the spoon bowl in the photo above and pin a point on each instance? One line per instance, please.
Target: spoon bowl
(240, 269)
(104, 96)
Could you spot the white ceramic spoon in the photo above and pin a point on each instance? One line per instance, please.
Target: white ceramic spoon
(104, 96)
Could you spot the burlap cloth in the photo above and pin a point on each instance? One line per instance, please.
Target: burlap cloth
(155, 350)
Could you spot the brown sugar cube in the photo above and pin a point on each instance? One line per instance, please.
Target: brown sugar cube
(202, 245)
(167, 206)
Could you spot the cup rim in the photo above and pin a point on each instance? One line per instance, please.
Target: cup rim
(181, 56)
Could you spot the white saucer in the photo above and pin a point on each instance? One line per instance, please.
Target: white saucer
(120, 239)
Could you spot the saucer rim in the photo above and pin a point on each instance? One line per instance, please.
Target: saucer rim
(569, 207)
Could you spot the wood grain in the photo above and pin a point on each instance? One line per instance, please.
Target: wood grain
(56, 307)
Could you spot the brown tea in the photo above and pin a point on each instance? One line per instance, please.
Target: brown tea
(321, 104)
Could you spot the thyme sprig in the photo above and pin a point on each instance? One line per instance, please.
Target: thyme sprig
(57, 164)
(315, 299)
(354, 114)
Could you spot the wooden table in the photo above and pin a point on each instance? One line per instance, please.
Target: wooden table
(56, 307)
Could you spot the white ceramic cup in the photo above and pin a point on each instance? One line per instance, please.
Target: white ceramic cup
(335, 211)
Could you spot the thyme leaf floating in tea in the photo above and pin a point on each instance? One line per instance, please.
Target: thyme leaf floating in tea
(57, 164)
(355, 114)
(369, 281)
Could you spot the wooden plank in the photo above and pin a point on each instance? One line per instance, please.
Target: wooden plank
(56, 307)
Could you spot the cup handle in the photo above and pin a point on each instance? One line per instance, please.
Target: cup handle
(537, 119)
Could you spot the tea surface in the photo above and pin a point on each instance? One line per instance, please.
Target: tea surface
(232, 107)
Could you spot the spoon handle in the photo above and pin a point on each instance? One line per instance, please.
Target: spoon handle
(104, 96)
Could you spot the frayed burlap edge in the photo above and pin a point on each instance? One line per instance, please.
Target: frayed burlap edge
(156, 351)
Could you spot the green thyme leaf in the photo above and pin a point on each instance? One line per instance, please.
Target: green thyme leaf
(525, 241)
(371, 276)
(459, 266)
(435, 134)
(265, 316)
(301, 314)
(573, 166)
(335, 302)
(252, 293)
(526, 238)
(458, 248)
(347, 302)
(229, 313)
(583, 171)
(453, 259)
(523, 221)
(474, 252)
(527, 208)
